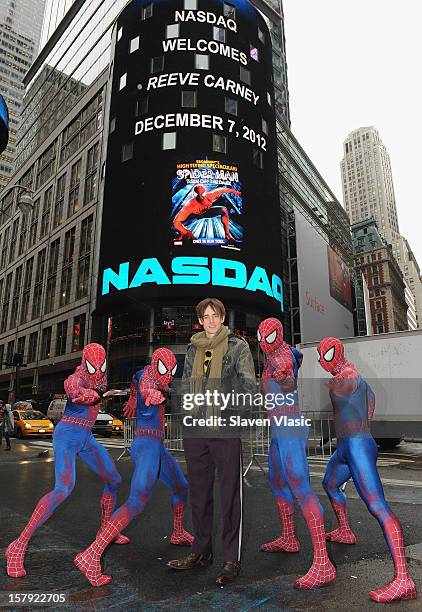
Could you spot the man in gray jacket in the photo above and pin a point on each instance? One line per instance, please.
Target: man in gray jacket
(219, 362)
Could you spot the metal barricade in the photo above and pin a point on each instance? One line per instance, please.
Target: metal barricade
(256, 442)
(173, 439)
(319, 443)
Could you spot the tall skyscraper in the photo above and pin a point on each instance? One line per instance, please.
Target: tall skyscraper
(368, 192)
(20, 31)
(367, 182)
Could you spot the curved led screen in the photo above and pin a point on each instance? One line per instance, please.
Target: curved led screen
(190, 204)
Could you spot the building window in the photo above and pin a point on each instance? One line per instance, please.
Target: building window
(257, 158)
(202, 61)
(142, 106)
(46, 165)
(229, 10)
(32, 347)
(219, 34)
(219, 143)
(5, 306)
(39, 277)
(16, 295)
(20, 347)
(33, 228)
(90, 192)
(245, 75)
(78, 334)
(5, 247)
(172, 30)
(189, 99)
(157, 64)
(147, 11)
(46, 343)
(84, 258)
(26, 290)
(127, 152)
(58, 214)
(61, 338)
(23, 233)
(169, 141)
(75, 181)
(123, 81)
(13, 240)
(10, 352)
(190, 5)
(230, 105)
(380, 329)
(52, 276)
(68, 255)
(134, 44)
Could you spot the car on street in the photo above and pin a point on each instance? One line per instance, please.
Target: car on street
(117, 426)
(29, 422)
(103, 424)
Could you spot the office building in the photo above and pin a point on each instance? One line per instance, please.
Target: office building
(20, 31)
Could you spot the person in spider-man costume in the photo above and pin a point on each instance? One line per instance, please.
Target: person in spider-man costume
(202, 206)
(356, 456)
(152, 462)
(288, 465)
(73, 437)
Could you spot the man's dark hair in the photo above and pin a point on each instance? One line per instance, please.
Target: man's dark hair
(215, 304)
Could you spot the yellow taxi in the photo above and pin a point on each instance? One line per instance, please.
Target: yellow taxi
(30, 422)
(117, 426)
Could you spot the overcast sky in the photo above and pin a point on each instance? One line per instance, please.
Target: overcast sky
(355, 63)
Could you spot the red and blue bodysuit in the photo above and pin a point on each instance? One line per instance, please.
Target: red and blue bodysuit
(356, 456)
(73, 437)
(288, 465)
(152, 462)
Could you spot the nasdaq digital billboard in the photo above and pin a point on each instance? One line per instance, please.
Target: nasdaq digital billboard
(190, 197)
(4, 124)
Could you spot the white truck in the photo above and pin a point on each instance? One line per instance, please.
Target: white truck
(392, 365)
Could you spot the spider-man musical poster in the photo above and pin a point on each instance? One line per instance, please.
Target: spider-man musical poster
(207, 205)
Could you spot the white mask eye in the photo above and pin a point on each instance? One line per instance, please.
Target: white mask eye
(90, 367)
(318, 357)
(258, 333)
(329, 355)
(104, 366)
(271, 338)
(173, 372)
(161, 368)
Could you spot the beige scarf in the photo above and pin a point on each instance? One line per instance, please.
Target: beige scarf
(218, 344)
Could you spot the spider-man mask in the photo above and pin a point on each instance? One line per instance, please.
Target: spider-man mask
(270, 334)
(199, 190)
(94, 366)
(330, 354)
(164, 366)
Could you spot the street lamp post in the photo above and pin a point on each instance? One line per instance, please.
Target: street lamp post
(25, 201)
(25, 204)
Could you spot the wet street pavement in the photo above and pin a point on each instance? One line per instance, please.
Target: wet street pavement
(141, 580)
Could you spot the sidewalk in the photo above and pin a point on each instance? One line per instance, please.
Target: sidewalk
(20, 452)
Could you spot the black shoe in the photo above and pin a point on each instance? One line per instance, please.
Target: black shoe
(191, 561)
(8, 448)
(231, 569)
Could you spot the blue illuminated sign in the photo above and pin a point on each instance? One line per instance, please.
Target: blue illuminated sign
(196, 271)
